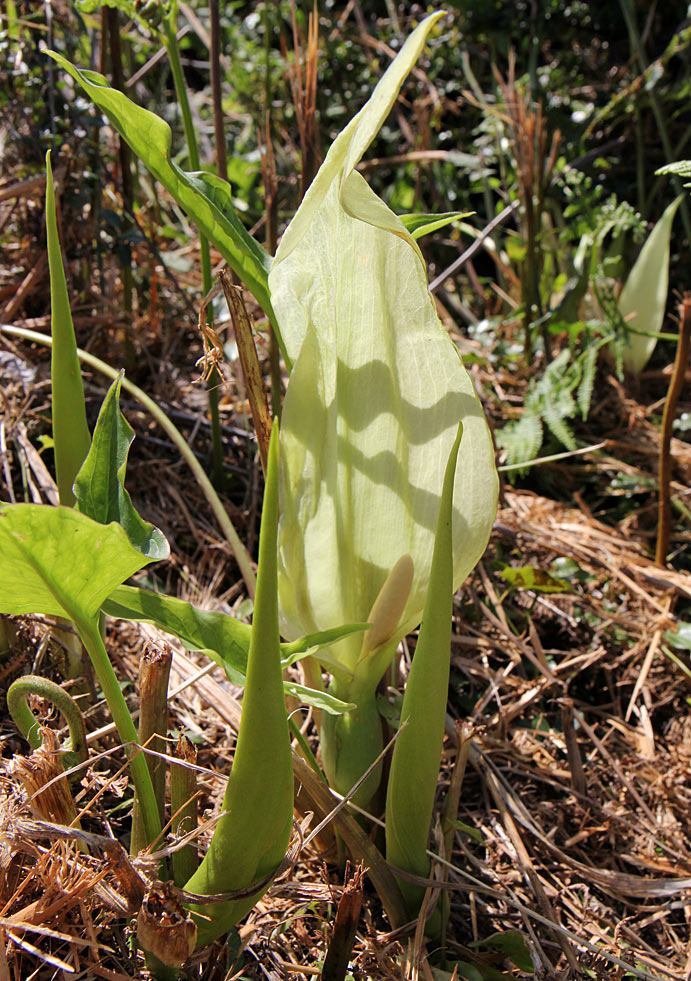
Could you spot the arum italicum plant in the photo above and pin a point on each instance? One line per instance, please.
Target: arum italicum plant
(387, 486)
(371, 416)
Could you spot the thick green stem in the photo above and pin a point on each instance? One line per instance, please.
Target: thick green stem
(239, 551)
(351, 742)
(120, 713)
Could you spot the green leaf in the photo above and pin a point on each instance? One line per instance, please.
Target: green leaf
(512, 944)
(205, 198)
(223, 638)
(531, 577)
(100, 484)
(681, 637)
(318, 699)
(421, 224)
(643, 300)
(585, 389)
(308, 696)
(468, 829)
(516, 248)
(682, 169)
(70, 431)
(312, 643)
(198, 630)
(566, 568)
(59, 562)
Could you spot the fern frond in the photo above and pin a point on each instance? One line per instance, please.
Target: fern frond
(521, 440)
(682, 169)
(584, 394)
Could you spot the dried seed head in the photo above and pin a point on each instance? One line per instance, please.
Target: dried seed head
(164, 927)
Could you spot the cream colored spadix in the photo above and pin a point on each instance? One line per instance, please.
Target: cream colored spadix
(371, 412)
(388, 607)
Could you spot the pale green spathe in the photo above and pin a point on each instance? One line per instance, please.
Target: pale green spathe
(643, 299)
(374, 401)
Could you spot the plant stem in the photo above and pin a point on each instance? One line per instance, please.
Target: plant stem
(239, 551)
(154, 671)
(676, 383)
(91, 638)
(171, 43)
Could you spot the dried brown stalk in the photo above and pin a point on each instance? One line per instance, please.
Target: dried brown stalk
(304, 92)
(251, 369)
(535, 156)
(345, 927)
(154, 672)
(183, 805)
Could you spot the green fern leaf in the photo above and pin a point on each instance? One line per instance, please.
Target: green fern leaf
(585, 389)
(682, 169)
(521, 440)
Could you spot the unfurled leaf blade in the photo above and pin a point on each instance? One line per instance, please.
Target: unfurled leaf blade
(207, 201)
(210, 631)
(59, 562)
(318, 699)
